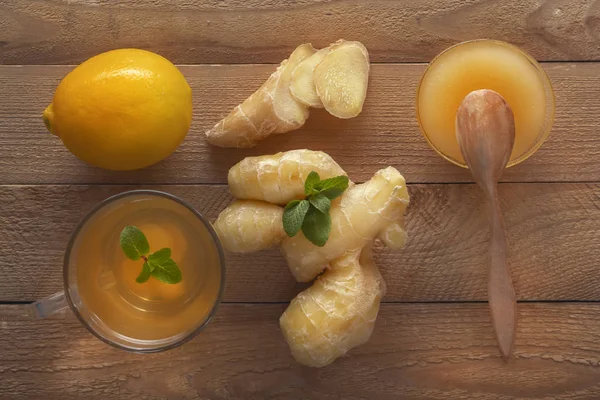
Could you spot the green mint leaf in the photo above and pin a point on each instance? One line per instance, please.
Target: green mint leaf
(134, 243)
(144, 275)
(167, 271)
(320, 202)
(293, 215)
(316, 227)
(332, 193)
(160, 256)
(332, 187)
(311, 180)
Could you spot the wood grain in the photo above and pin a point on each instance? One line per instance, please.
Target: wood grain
(417, 351)
(259, 31)
(553, 233)
(386, 133)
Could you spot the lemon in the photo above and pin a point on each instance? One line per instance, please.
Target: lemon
(121, 110)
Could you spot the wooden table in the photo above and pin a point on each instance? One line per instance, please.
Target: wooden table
(433, 339)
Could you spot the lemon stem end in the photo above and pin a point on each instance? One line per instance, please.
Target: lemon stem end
(48, 116)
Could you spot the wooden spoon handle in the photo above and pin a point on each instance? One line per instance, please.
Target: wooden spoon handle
(501, 293)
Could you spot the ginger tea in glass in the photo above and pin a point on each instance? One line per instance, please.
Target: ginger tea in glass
(153, 315)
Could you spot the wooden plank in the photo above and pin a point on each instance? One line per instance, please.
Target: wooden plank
(417, 351)
(553, 230)
(240, 31)
(385, 134)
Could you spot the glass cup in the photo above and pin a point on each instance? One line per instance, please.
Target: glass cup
(493, 77)
(104, 302)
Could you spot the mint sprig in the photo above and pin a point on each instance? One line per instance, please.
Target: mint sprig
(311, 215)
(158, 264)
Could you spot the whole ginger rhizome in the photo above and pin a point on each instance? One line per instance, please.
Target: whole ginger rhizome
(338, 312)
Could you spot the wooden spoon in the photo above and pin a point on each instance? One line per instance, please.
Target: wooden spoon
(485, 130)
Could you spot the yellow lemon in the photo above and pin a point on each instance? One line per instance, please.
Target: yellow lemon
(124, 109)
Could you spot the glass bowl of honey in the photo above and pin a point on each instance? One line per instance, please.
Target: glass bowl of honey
(485, 64)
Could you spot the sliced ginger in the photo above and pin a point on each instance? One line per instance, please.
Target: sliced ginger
(302, 85)
(342, 77)
(335, 78)
(338, 311)
(291, 113)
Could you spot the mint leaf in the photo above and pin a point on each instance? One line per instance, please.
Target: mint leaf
(311, 180)
(167, 271)
(134, 243)
(293, 215)
(316, 227)
(311, 215)
(320, 202)
(160, 256)
(158, 264)
(332, 187)
(144, 275)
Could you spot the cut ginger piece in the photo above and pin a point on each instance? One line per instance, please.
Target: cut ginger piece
(291, 113)
(342, 77)
(302, 85)
(335, 78)
(335, 314)
(271, 109)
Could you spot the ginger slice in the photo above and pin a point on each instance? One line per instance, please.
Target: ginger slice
(302, 85)
(342, 77)
(291, 113)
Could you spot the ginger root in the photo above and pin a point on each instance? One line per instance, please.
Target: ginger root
(270, 109)
(363, 213)
(243, 216)
(337, 313)
(335, 77)
(279, 178)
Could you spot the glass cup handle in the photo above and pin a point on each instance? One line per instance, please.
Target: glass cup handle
(49, 305)
(36, 310)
